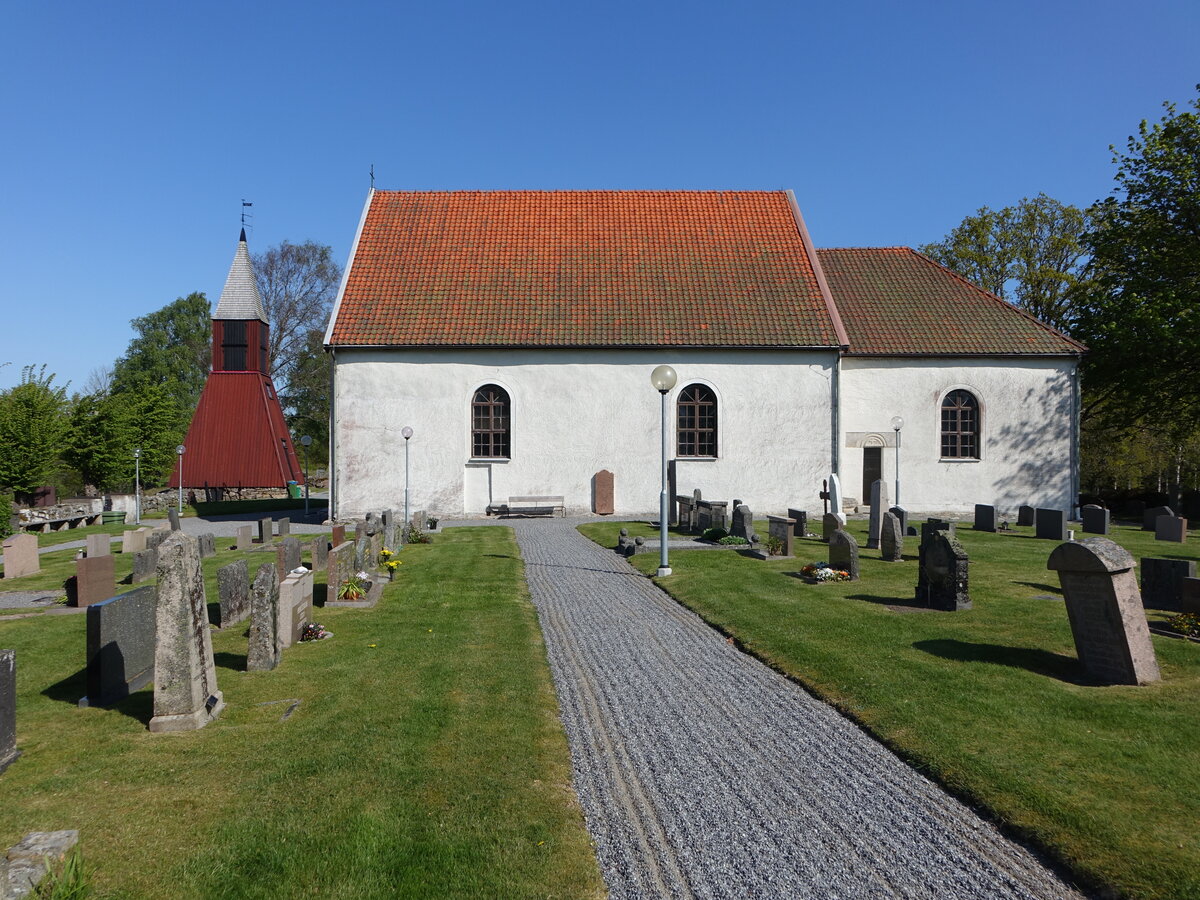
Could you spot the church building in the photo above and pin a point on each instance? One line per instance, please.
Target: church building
(515, 332)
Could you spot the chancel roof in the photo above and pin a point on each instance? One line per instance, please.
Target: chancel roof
(240, 298)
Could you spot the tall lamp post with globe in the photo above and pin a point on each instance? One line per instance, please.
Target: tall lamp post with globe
(305, 442)
(663, 378)
(137, 485)
(897, 424)
(181, 450)
(408, 433)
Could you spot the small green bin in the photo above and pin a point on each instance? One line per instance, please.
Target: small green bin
(108, 517)
(294, 491)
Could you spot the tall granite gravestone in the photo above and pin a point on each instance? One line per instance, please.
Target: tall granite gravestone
(1026, 515)
(389, 529)
(800, 518)
(94, 580)
(835, 497)
(134, 541)
(245, 537)
(843, 552)
(891, 538)
(879, 499)
(262, 654)
(361, 546)
(339, 536)
(207, 544)
(294, 609)
(233, 589)
(8, 708)
(783, 529)
(602, 493)
(185, 681)
(287, 556)
(1150, 516)
(341, 567)
(929, 529)
(173, 516)
(99, 545)
(266, 530)
(21, 556)
(1107, 620)
(1095, 519)
(145, 564)
(902, 514)
(1162, 582)
(743, 522)
(1170, 528)
(285, 526)
(1189, 596)
(120, 647)
(985, 517)
(686, 512)
(1051, 524)
(944, 565)
(319, 553)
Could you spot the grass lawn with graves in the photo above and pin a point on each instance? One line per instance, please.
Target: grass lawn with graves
(991, 702)
(425, 758)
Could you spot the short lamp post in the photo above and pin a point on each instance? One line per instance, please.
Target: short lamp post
(663, 378)
(408, 433)
(137, 485)
(897, 424)
(181, 450)
(305, 442)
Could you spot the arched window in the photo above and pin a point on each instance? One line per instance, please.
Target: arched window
(960, 426)
(490, 423)
(697, 419)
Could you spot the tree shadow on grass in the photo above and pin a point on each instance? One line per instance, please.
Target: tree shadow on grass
(1038, 586)
(138, 705)
(234, 661)
(1041, 662)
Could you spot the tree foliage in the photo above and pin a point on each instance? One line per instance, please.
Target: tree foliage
(33, 425)
(1142, 319)
(307, 398)
(1032, 254)
(171, 349)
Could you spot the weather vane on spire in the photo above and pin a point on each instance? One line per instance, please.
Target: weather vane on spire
(245, 215)
(372, 176)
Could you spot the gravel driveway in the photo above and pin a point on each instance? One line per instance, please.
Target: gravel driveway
(702, 773)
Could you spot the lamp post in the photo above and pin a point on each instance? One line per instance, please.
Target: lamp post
(304, 442)
(663, 378)
(897, 424)
(137, 485)
(181, 450)
(408, 433)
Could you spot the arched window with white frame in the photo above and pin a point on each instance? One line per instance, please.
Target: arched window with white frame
(960, 425)
(696, 417)
(491, 423)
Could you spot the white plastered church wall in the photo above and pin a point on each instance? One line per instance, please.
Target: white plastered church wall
(573, 414)
(1026, 431)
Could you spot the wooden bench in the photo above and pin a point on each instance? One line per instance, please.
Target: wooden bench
(76, 521)
(530, 506)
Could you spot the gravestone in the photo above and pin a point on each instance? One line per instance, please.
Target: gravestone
(902, 514)
(1051, 524)
(294, 609)
(185, 681)
(602, 493)
(21, 556)
(711, 514)
(245, 537)
(1150, 517)
(266, 530)
(800, 517)
(287, 556)
(829, 524)
(120, 646)
(339, 535)
(341, 567)
(156, 537)
(985, 517)
(362, 546)
(835, 497)
(173, 516)
(134, 541)
(319, 553)
(285, 526)
(1105, 612)
(1189, 596)
(145, 564)
(207, 544)
(94, 580)
(743, 522)
(375, 539)
(1026, 515)
(419, 520)
(262, 653)
(389, 530)
(944, 565)
(686, 512)
(783, 528)
(891, 538)
(879, 501)
(233, 590)
(1170, 528)
(8, 708)
(1095, 519)
(99, 545)
(843, 552)
(1162, 582)
(929, 529)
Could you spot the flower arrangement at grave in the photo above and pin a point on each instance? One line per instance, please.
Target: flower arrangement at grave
(774, 545)
(355, 587)
(315, 631)
(1187, 624)
(821, 572)
(414, 535)
(389, 563)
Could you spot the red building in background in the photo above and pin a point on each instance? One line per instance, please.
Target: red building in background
(238, 438)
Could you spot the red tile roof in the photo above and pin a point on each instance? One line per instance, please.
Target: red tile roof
(896, 302)
(581, 269)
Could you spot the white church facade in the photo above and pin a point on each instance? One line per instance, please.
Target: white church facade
(515, 333)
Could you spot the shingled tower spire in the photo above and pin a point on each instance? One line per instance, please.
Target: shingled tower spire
(238, 437)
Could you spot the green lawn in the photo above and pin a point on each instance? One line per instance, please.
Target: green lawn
(425, 757)
(991, 701)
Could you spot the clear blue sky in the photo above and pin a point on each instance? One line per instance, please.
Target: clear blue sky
(132, 130)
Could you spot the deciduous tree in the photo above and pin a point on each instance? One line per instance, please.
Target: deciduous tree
(33, 425)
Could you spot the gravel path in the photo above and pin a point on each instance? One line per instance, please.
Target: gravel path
(702, 773)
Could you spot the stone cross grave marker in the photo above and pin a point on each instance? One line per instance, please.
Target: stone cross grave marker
(145, 564)
(1150, 516)
(120, 646)
(1105, 611)
(1095, 519)
(602, 493)
(262, 654)
(800, 518)
(21, 556)
(99, 545)
(843, 552)
(294, 610)
(94, 580)
(1051, 524)
(8, 708)
(233, 589)
(185, 681)
(891, 538)
(879, 499)
(985, 517)
(783, 528)
(1026, 515)
(1162, 582)
(266, 530)
(245, 537)
(1170, 528)
(287, 556)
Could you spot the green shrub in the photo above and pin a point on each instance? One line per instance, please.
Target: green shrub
(714, 534)
(6, 513)
(732, 540)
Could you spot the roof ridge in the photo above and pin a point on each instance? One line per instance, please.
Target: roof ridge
(860, 248)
